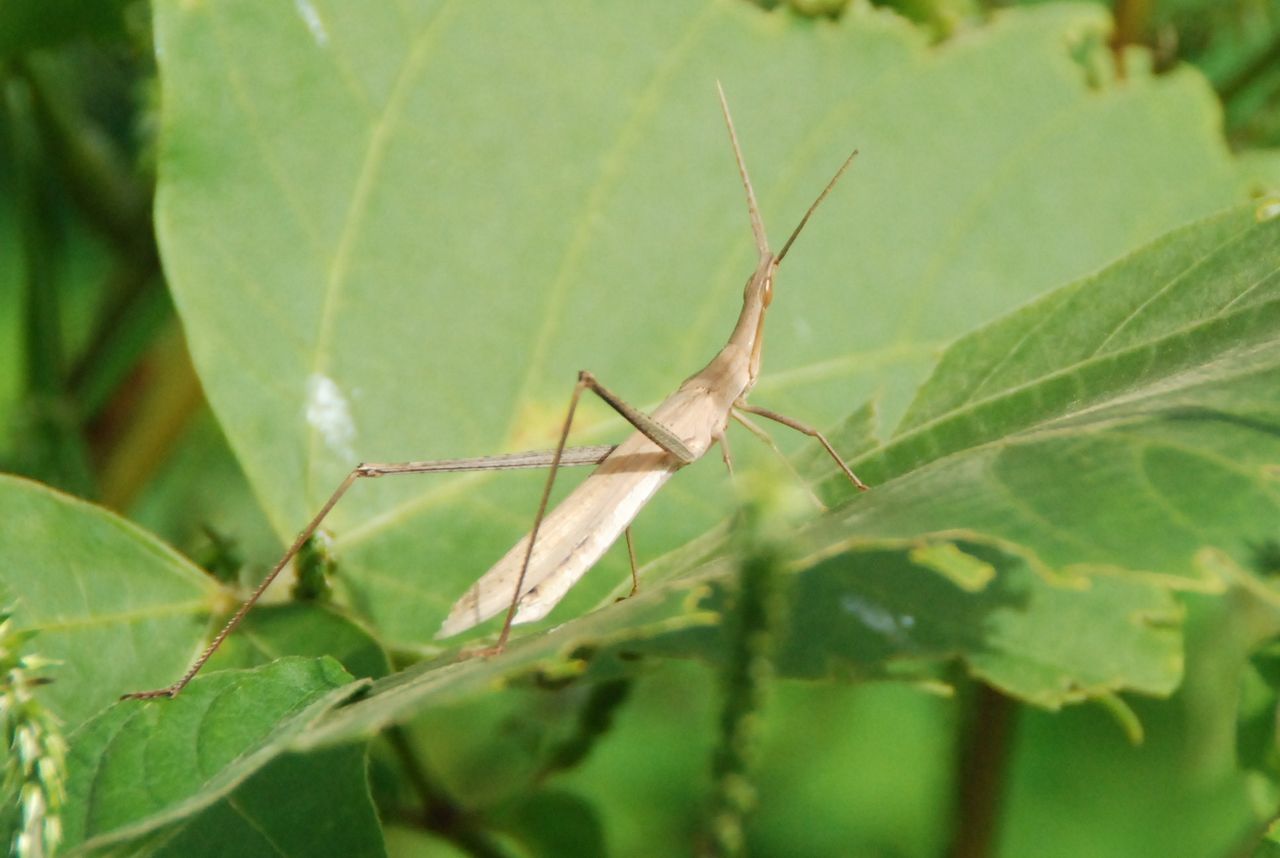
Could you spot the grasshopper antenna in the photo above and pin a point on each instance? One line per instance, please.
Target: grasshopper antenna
(757, 225)
(812, 208)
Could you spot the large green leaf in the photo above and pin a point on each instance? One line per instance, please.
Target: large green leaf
(281, 812)
(138, 767)
(116, 609)
(398, 231)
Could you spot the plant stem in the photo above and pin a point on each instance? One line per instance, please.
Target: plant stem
(440, 812)
(146, 419)
(95, 173)
(747, 670)
(116, 202)
(42, 324)
(980, 772)
(594, 720)
(52, 449)
(133, 384)
(1131, 18)
(1263, 64)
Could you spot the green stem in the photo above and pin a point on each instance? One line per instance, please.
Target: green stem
(42, 323)
(1260, 66)
(440, 812)
(97, 175)
(748, 667)
(117, 203)
(124, 332)
(594, 720)
(49, 439)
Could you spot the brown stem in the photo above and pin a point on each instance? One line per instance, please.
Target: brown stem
(980, 774)
(1131, 17)
(145, 419)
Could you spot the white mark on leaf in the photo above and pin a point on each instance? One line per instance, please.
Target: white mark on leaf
(330, 415)
(879, 619)
(311, 18)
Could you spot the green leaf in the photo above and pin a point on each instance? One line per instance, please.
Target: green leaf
(140, 766)
(273, 631)
(660, 621)
(862, 614)
(1124, 422)
(279, 811)
(875, 613)
(116, 608)
(379, 257)
(554, 823)
(118, 611)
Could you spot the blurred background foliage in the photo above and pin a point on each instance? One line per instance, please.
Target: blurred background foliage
(1235, 43)
(97, 395)
(98, 398)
